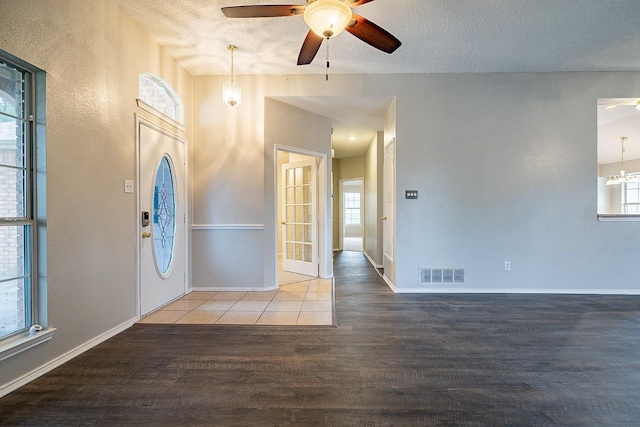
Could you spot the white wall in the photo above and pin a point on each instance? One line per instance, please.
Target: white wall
(92, 53)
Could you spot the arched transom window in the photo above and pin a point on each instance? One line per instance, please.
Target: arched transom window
(158, 94)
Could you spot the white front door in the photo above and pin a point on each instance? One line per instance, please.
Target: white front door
(162, 220)
(299, 225)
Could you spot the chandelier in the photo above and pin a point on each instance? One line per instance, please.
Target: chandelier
(622, 178)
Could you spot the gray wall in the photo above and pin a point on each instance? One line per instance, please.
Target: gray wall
(506, 175)
(92, 53)
(509, 174)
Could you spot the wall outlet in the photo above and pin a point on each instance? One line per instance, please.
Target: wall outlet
(507, 265)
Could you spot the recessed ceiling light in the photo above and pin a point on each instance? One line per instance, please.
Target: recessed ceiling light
(352, 138)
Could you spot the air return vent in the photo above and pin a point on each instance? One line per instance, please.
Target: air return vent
(441, 275)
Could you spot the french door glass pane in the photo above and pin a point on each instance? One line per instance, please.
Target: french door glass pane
(307, 253)
(307, 175)
(298, 176)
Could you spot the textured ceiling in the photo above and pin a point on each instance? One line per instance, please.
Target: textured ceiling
(438, 36)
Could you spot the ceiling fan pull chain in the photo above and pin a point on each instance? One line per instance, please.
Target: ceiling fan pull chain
(327, 73)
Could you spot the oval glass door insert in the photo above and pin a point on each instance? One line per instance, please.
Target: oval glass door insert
(164, 216)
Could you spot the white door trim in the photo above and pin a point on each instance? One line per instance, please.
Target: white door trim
(325, 251)
(142, 121)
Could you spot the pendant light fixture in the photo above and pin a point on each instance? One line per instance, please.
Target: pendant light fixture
(622, 178)
(231, 90)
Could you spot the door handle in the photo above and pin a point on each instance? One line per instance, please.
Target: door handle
(146, 234)
(384, 218)
(283, 223)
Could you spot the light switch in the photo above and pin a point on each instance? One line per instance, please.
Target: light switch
(411, 194)
(128, 186)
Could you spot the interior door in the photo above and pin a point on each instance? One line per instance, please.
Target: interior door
(161, 201)
(299, 225)
(388, 209)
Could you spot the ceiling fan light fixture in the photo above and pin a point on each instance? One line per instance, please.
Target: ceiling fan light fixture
(328, 18)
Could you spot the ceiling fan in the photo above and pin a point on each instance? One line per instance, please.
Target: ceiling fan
(326, 19)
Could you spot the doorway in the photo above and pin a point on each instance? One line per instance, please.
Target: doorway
(298, 216)
(352, 230)
(161, 216)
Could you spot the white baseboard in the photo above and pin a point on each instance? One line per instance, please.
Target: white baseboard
(51, 365)
(230, 289)
(515, 291)
(388, 282)
(372, 261)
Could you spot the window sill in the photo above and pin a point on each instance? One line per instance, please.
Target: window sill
(24, 342)
(618, 217)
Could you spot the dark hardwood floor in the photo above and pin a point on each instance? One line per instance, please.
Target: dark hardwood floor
(393, 360)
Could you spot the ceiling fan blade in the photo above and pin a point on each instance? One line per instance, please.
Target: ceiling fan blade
(309, 48)
(265, 11)
(372, 34)
(359, 2)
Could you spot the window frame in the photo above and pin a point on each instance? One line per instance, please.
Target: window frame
(624, 188)
(178, 120)
(35, 330)
(604, 202)
(347, 209)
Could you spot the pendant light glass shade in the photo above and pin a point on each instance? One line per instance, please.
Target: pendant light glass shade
(327, 18)
(231, 90)
(231, 93)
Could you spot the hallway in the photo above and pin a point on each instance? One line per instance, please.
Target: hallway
(405, 360)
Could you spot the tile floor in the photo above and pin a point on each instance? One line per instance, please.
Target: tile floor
(302, 302)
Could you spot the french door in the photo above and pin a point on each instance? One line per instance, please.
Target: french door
(299, 224)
